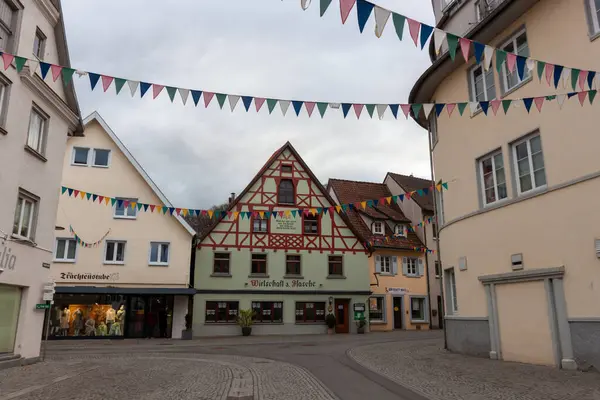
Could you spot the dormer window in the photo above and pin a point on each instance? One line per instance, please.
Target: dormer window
(285, 194)
(378, 228)
(286, 169)
(400, 230)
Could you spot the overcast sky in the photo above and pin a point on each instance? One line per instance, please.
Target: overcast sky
(266, 48)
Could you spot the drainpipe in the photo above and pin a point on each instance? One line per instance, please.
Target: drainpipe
(192, 282)
(439, 229)
(427, 273)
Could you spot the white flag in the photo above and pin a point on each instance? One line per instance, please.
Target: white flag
(566, 76)
(560, 98)
(438, 39)
(381, 110)
(488, 53)
(305, 4)
(427, 109)
(474, 106)
(530, 64)
(233, 100)
(33, 64)
(184, 93)
(133, 85)
(381, 18)
(284, 104)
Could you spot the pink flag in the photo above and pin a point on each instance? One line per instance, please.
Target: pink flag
(582, 96)
(582, 78)
(450, 107)
(405, 109)
(55, 71)
(413, 28)
(310, 106)
(495, 105)
(511, 61)
(258, 102)
(345, 8)
(465, 47)
(539, 101)
(207, 98)
(549, 72)
(8, 59)
(156, 89)
(106, 81)
(358, 109)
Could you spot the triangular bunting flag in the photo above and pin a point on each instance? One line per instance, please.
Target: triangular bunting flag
(426, 32)
(381, 18)
(540, 69)
(156, 89)
(233, 100)
(413, 29)
(358, 109)
(488, 54)
(500, 59)
(394, 108)
(461, 108)
(284, 105)
(106, 81)
(67, 75)
(171, 91)
(133, 85)
(450, 107)
(221, 97)
(539, 101)
(346, 108)
(479, 49)
(452, 45)
(484, 106)
(20, 63)
(45, 67)
(560, 99)
(184, 93)
(310, 106)
(495, 106)
(582, 96)
(399, 21)
(297, 104)
(592, 95)
(465, 48)
(416, 108)
(196, 97)
(258, 103)
(119, 83)
(381, 110)
(56, 70)
(427, 109)
(363, 11)
(549, 73)
(7, 59)
(582, 79)
(521, 61)
(208, 96)
(528, 102)
(574, 78)
(345, 8)
(322, 108)
(247, 102)
(558, 69)
(323, 6)
(271, 103)
(405, 109)
(439, 108)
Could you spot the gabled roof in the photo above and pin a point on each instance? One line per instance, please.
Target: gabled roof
(412, 183)
(355, 192)
(277, 153)
(96, 117)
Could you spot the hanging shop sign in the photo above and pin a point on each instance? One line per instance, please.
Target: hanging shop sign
(8, 261)
(280, 284)
(395, 290)
(69, 276)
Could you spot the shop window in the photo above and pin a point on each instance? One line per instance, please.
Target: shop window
(221, 311)
(285, 193)
(335, 266)
(268, 311)
(221, 263)
(418, 308)
(259, 264)
(260, 225)
(377, 309)
(311, 224)
(124, 208)
(159, 253)
(310, 312)
(115, 252)
(10, 304)
(293, 264)
(87, 315)
(65, 250)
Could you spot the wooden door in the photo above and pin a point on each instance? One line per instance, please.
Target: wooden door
(342, 323)
(398, 311)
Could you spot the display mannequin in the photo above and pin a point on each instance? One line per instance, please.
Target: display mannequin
(101, 330)
(110, 317)
(77, 322)
(55, 321)
(64, 321)
(90, 327)
(117, 327)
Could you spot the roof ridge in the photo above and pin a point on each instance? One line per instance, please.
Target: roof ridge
(353, 181)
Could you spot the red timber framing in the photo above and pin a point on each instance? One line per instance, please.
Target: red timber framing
(257, 199)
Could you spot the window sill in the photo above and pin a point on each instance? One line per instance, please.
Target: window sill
(267, 323)
(418, 321)
(158, 264)
(64, 261)
(496, 203)
(121, 217)
(23, 240)
(286, 204)
(221, 323)
(293, 277)
(114, 263)
(220, 275)
(100, 166)
(594, 36)
(336, 277)
(413, 276)
(35, 153)
(260, 233)
(519, 86)
(310, 323)
(377, 322)
(258, 276)
(533, 192)
(386, 274)
(79, 165)
(3, 131)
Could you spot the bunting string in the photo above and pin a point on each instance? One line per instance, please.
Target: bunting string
(83, 243)
(233, 215)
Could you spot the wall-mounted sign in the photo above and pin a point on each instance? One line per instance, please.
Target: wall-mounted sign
(396, 290)
(359, 307)
(290, 284)
(69, 276)
(285, 225)
(7, 260)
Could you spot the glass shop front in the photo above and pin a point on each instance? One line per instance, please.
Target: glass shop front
(111, 316)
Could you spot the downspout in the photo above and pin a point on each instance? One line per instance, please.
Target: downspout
(435, 215)
(192, 282)
(427, 273)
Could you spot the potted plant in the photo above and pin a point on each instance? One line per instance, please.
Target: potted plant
(360, 326)
(187, 334)
(245, 319)
(330, 321)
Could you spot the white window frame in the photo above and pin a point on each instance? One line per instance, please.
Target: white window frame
(438, 269)
(5, 85)
(594, 17)
(263, 223)
(504, 73)
(93, 161)
(439, 207)
(400, 230)
(41, 38)
(69, 241)
(125, 215)
(424, 309)
(495, 178)
(41, 140)
(534, 186)
(386, 261)
(484, 74)
(434, 230)
(444, 4)
(114, 255)
(376, 231)
(453, 300)
(433, 129)
(26, 198)
(412, 263)
(160, 245)
(87, 161)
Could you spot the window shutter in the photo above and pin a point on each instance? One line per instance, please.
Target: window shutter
(395, 265)
(404, 266)
(378, 264)
(421, 267)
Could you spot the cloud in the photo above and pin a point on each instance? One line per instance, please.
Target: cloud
(198, 156)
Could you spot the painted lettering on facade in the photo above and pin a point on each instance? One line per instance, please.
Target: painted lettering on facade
(69, 276)
(294, 283)
(7, 260)
(285, 225)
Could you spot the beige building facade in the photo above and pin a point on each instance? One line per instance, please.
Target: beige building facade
(519, 233)
(134, 279)
(36, 117)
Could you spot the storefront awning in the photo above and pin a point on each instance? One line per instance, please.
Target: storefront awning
(120, 290)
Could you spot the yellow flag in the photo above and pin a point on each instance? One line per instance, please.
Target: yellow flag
(210, 213)
(363, 204)
(288, 213)
(235, 214)
(313, 211)
(389, 200)
(133, 204)
(262, 214)
(184, 211)
(107, 200)
(439, 187)
(338, 208)
(82, 194)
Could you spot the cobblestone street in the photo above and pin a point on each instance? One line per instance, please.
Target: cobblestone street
(379, 366)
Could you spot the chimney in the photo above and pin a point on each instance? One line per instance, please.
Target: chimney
(232, 197)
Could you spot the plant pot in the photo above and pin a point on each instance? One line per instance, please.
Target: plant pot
(330, 331)
(360, 330)
(187, 334)
(246, 330)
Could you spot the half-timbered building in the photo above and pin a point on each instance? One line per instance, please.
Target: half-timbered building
(284, 251)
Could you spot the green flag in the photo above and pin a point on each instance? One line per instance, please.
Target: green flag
(445, 185)
(20, 63)
(416, 109)
(67, 75)
(399, 21)
(271, 103)
(113, 201)
(221, 98)
(574, 76)
(540, 69)
(322, 108)
(500, 58)
(324, 5)
(371, 109)
(461, 108)
(171, 90)
(88, 195)
(119, 82)
(592, 94)
(452, 45)
(506, 105)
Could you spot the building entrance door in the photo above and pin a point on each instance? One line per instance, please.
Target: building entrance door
(342, 323)
(397, 312)
(10, 305)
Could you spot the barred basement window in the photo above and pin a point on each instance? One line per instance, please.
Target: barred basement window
(310, 311)
(221, 311)
(268, 311)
